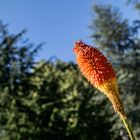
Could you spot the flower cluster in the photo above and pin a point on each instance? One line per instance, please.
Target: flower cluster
(99, 72)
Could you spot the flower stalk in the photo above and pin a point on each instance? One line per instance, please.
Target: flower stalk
(129, 129)
(100, 73)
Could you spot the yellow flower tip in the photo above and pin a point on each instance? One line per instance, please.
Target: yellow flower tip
(98, 71)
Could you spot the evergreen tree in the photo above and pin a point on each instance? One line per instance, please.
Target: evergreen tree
(69, 107)
(51, 100)
(46, 100)
(16, 64)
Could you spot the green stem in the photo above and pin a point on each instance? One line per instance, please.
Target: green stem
(128, 128)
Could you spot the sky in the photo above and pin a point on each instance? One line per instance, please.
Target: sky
(57, 23)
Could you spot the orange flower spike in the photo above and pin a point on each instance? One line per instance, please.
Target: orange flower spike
(99, 72)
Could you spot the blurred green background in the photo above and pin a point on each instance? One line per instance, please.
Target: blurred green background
(51, 100)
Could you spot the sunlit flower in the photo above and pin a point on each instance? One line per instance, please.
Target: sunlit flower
(99, 72)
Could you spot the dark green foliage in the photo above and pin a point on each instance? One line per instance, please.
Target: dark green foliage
(47, 100)
(71, 108)
(16, 64)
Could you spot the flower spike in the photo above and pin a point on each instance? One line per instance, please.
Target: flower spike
(99, 72)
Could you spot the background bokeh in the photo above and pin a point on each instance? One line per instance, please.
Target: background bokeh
(43, 96)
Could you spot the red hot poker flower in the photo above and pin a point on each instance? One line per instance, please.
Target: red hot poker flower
(98, 70)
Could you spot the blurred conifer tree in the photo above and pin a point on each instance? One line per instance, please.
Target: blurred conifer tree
(46, 100)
